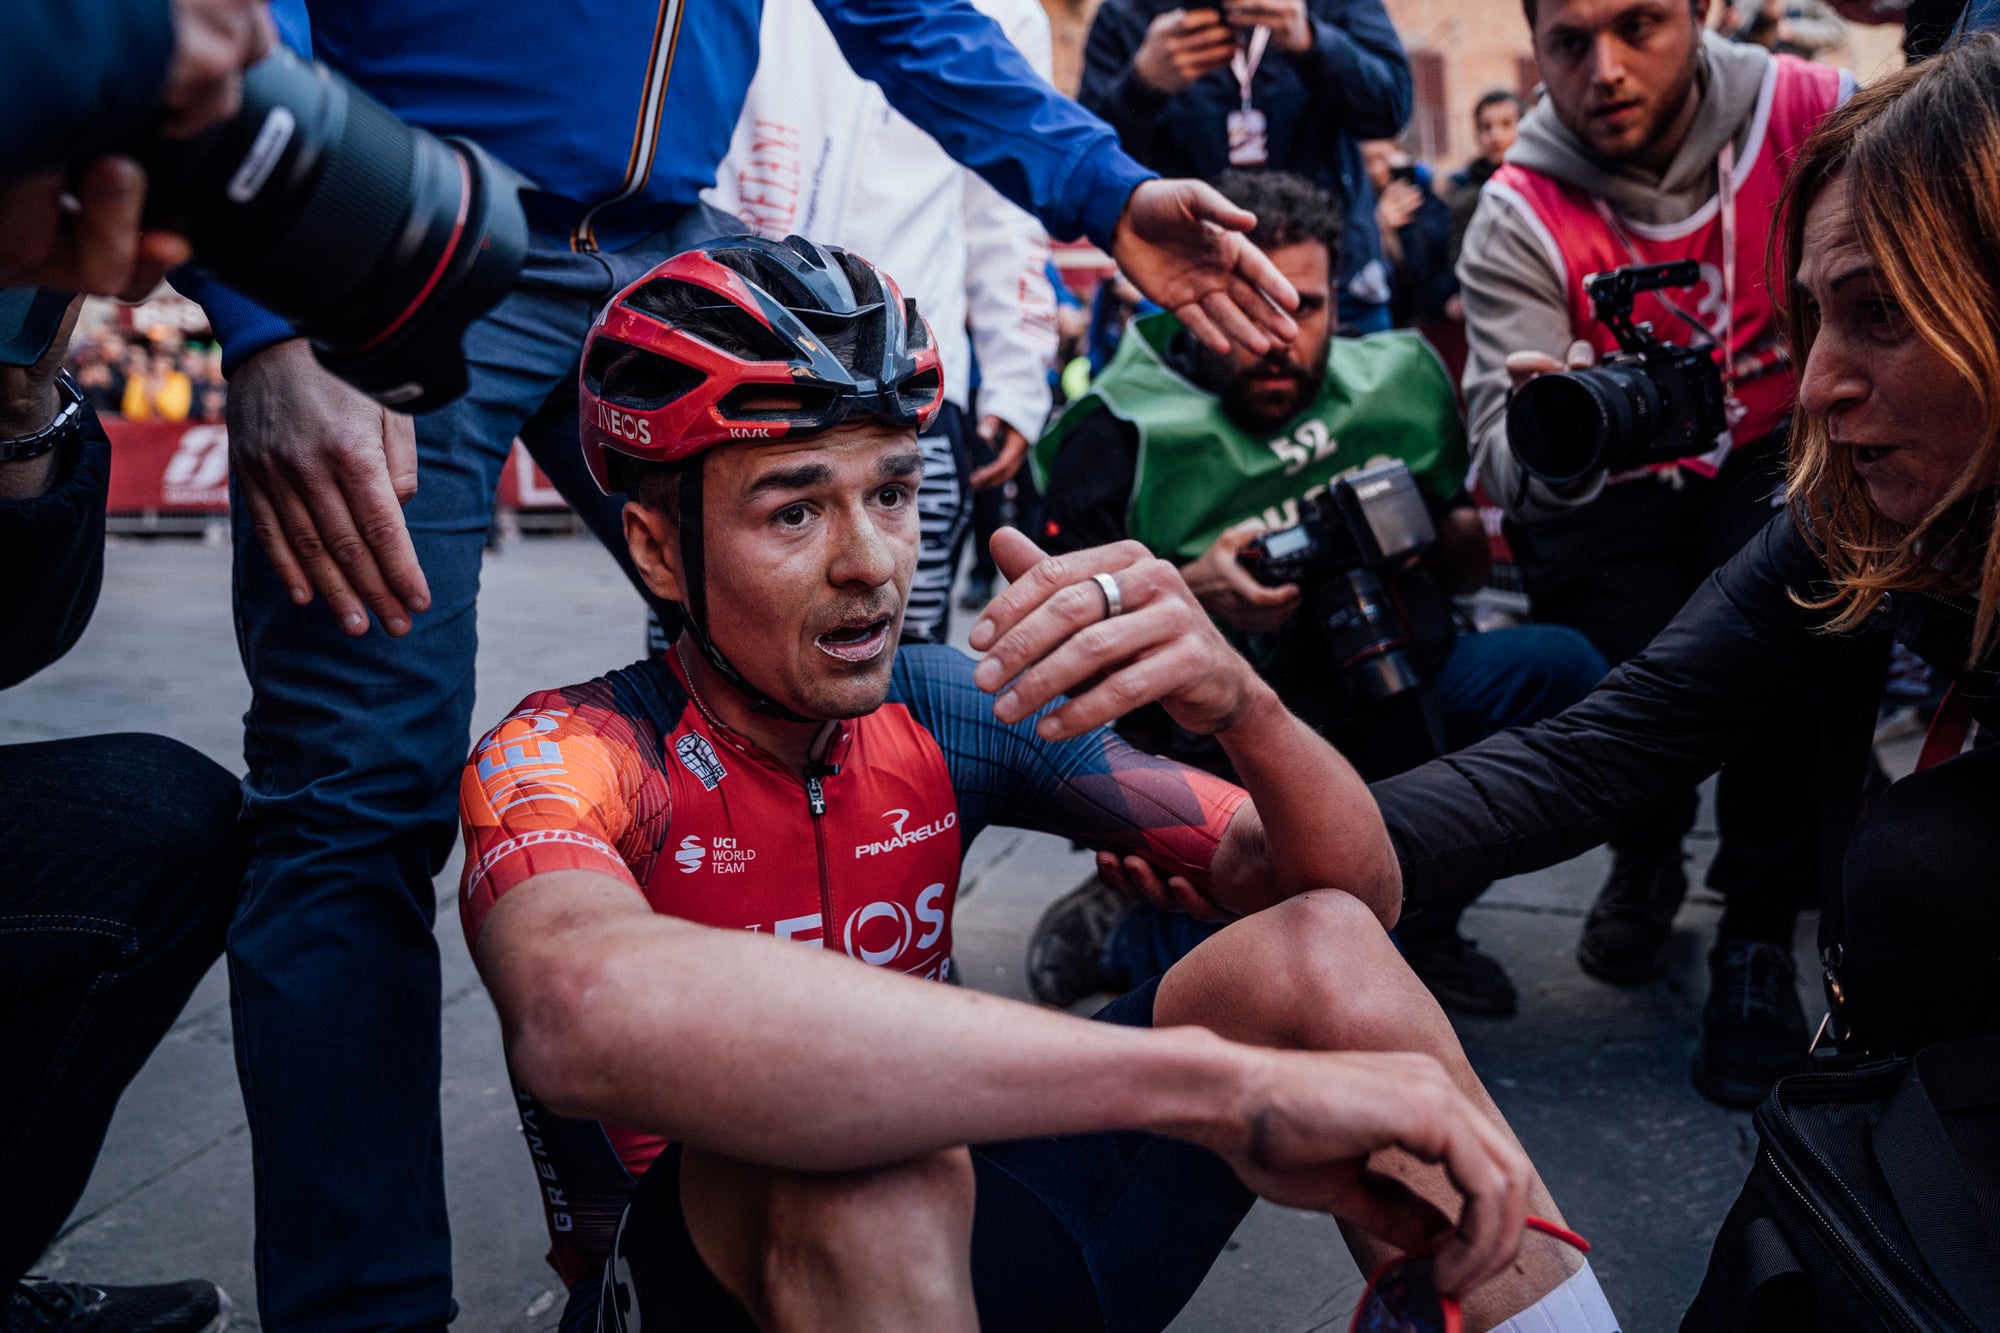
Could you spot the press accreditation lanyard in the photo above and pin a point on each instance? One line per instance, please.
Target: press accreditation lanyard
(1247, 139)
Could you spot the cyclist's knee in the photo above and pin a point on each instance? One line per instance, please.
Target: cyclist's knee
(1316, 971)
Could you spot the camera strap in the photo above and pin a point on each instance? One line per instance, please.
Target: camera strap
(1950, 725)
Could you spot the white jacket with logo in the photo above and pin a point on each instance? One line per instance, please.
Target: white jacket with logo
(819, 152)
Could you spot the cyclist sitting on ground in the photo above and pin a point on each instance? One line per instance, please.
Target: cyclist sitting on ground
(733, 1129)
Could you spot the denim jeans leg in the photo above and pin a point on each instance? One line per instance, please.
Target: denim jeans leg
(119, 862)
(354, 747)
(1511, 677)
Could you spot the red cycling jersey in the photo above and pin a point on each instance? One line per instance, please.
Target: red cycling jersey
(630, 776)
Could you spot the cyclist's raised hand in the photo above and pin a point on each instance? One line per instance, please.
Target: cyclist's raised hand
(1053, 633)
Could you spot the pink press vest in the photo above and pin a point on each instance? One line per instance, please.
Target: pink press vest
(1583, 237)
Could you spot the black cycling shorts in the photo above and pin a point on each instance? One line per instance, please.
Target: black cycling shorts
(1108, 1232)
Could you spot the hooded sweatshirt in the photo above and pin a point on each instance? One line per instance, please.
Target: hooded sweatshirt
(1515, 295)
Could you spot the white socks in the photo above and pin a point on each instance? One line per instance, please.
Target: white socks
(1577, 1306)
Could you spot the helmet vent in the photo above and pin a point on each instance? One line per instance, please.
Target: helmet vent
(728, 328)
(790, 404)
(915, 393)
(640, 380)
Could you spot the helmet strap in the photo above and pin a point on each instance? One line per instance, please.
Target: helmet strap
(694, 585)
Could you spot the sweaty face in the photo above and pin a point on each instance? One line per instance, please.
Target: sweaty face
(1892, 402)
(1264, 392)
(1499, 126)
(810, 549)
(1620, 73)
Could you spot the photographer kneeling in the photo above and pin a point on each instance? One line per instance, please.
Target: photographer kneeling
(119, 861)
(1348, 615)
(1893, 292)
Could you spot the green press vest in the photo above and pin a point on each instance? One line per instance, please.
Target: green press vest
(1384, 397)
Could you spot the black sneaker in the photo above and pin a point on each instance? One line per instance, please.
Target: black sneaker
(1625, 937)
(80, 1307)
(1753, 1029)
(1460, 977)
(1066, 950)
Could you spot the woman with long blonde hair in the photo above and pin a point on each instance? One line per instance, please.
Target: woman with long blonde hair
(1889, 261)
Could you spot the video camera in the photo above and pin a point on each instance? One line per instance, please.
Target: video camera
(1367, 524)
(378, 241)
(1651, 403)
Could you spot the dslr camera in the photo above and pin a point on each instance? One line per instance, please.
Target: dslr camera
(1364, 527)
(378, 242)
(1651, 402)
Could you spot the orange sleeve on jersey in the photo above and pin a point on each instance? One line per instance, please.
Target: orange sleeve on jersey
(550, 788)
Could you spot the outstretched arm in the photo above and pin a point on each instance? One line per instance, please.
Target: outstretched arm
(781, 1055)
(952, 71)
(1311, 822)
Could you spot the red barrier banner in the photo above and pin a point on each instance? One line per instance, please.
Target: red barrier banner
(167, 467)
(522, 485)
(183, 468)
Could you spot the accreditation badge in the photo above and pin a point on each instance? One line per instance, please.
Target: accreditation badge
(1246, 138)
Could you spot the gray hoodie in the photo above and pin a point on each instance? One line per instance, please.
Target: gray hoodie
(1514, 296)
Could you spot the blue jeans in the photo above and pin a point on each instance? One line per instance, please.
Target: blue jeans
(354, 747)
(119, 861)
(1502, 678)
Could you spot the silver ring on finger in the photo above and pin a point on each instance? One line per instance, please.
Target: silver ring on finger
(1114, 601)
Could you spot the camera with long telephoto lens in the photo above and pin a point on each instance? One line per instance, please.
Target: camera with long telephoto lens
(1652, 402)
(378, 242)
(1350, 538)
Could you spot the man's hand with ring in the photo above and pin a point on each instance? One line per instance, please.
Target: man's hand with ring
(1051, 634)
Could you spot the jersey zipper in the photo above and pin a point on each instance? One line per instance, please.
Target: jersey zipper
(816, 803)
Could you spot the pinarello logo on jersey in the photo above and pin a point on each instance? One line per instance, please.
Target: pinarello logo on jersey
(690, 854)
(903, 837)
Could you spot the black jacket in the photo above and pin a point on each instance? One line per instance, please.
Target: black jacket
(1354, 84)
(52, 552)
(1741, 650)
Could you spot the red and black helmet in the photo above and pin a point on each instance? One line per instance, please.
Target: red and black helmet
(748, 338)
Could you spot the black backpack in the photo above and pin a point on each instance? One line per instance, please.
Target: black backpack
(1874, 1204)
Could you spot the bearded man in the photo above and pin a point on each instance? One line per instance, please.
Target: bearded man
(1194, 454)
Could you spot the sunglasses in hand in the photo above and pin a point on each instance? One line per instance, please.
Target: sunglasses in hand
(1403, 1297)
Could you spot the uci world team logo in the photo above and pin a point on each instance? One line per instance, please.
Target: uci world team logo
(690, 854)
(699, 758)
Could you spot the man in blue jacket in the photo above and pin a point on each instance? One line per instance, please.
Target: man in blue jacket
(618, 111)
(1198, 88)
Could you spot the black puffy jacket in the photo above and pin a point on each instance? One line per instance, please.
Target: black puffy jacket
(1741, 650)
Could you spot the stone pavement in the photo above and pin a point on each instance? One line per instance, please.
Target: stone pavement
(1594, 1079)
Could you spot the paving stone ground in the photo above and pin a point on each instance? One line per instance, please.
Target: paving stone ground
(1594, 1079)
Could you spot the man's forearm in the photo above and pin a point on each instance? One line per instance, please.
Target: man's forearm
(1317, 822)
(778, 1054)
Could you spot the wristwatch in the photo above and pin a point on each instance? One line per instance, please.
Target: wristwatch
(67, 426)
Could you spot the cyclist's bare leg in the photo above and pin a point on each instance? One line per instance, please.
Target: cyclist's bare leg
(889, 1249)
(1319, 973)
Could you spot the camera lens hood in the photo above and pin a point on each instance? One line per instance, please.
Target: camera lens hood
(416, 361)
